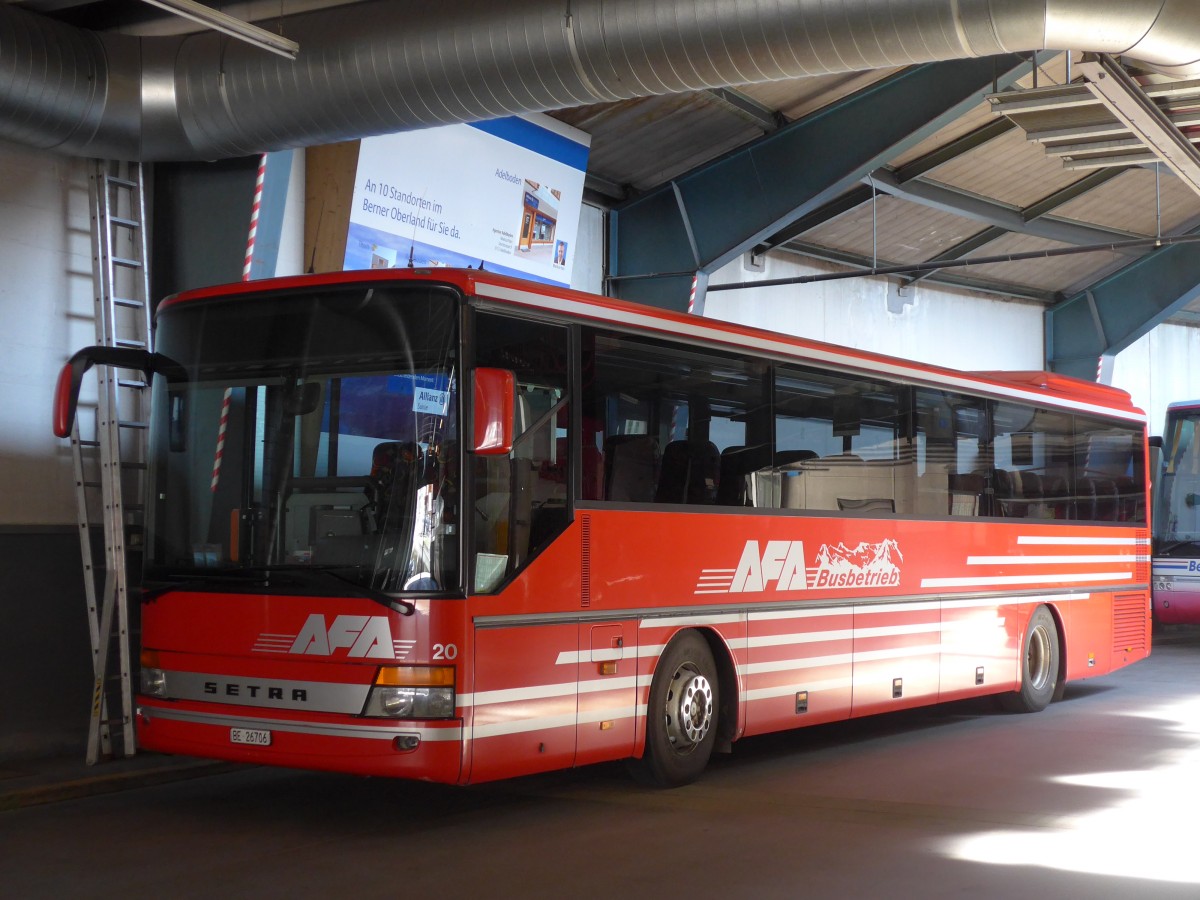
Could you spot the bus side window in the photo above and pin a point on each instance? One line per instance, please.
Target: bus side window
(669, 421)
(521, 500)
(1109, 472)
(952, 454)
(841, 443)
(631, 463)
(1036, 476)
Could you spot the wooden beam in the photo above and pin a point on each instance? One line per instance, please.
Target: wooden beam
(328, 191)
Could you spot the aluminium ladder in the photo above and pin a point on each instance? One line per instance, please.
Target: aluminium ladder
(110, 463)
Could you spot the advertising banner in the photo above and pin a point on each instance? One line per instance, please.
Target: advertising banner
(505, 193)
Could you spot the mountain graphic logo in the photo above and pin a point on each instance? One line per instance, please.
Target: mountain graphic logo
(867, 565)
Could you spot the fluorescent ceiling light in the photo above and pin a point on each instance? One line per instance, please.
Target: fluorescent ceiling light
(1127, 101)
(229, 25)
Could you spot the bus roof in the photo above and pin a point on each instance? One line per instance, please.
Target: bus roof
(1036, 386)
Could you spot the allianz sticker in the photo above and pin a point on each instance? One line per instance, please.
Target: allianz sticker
(427, 400)
(782, 566)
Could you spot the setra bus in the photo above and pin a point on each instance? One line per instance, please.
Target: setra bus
(447, 525)
(1175, 568)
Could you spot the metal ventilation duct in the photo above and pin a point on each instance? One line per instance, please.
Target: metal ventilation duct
(381, 67)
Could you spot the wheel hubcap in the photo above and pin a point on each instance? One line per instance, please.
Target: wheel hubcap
(1038, 661)
(689, 712)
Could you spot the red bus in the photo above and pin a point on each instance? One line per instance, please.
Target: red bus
(1176, 520)
(465, 527)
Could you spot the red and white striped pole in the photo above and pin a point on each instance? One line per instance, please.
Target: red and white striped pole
(692, 295)
(225, 403)
(246, 269)
(258, 191)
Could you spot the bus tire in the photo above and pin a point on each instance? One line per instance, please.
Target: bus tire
(1039, 665)
(681, 717)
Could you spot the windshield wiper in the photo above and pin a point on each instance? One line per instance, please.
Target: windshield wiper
(201, 579)
(404, 607)
(393, 603)
(260, 577)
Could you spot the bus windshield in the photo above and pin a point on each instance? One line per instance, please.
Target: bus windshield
(1177, 492)
(304, 431)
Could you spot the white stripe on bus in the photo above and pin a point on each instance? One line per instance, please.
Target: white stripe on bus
(1083, 541)
(1000, 581)
(789, 690)
(1038, 560)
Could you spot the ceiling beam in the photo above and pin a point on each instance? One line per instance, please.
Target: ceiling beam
(1116, 311)
(857, 196)
(946, 277)
(762, 117)
(1072, 191)
(861, 195)
(1034, 211)
(952, 150)
(610, 190)
(734, 203)
(991, 212)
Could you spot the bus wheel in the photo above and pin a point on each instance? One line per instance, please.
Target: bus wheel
(681, 719)
(1039, 665)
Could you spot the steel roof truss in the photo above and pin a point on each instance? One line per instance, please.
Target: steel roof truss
(741, 199)
(992, 212)
(1116, 311)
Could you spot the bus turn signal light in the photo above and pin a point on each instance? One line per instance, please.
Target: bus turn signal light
(415, 676)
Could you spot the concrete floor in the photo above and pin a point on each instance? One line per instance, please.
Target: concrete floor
(1095, 797)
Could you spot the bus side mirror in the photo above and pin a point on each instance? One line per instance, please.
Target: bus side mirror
(66, 393)
(495, 402)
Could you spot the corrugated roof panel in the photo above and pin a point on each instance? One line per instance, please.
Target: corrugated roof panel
(674, 134)
(1051, 70)
(1055, 273)
(1008, 169)
(977, 117)
(899, 232)
(1131, 202)
(800, 97)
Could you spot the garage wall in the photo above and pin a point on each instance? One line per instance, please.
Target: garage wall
(1160, 368)
(936, 325)
(45, 315)
(587, 272)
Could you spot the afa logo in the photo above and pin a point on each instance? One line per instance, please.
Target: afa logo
(781, 566)
(362, 637)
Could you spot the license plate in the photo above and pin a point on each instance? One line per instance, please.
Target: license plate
(250, 736)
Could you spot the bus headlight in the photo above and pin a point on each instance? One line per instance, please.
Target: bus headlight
(153, 680)
(412, 692)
